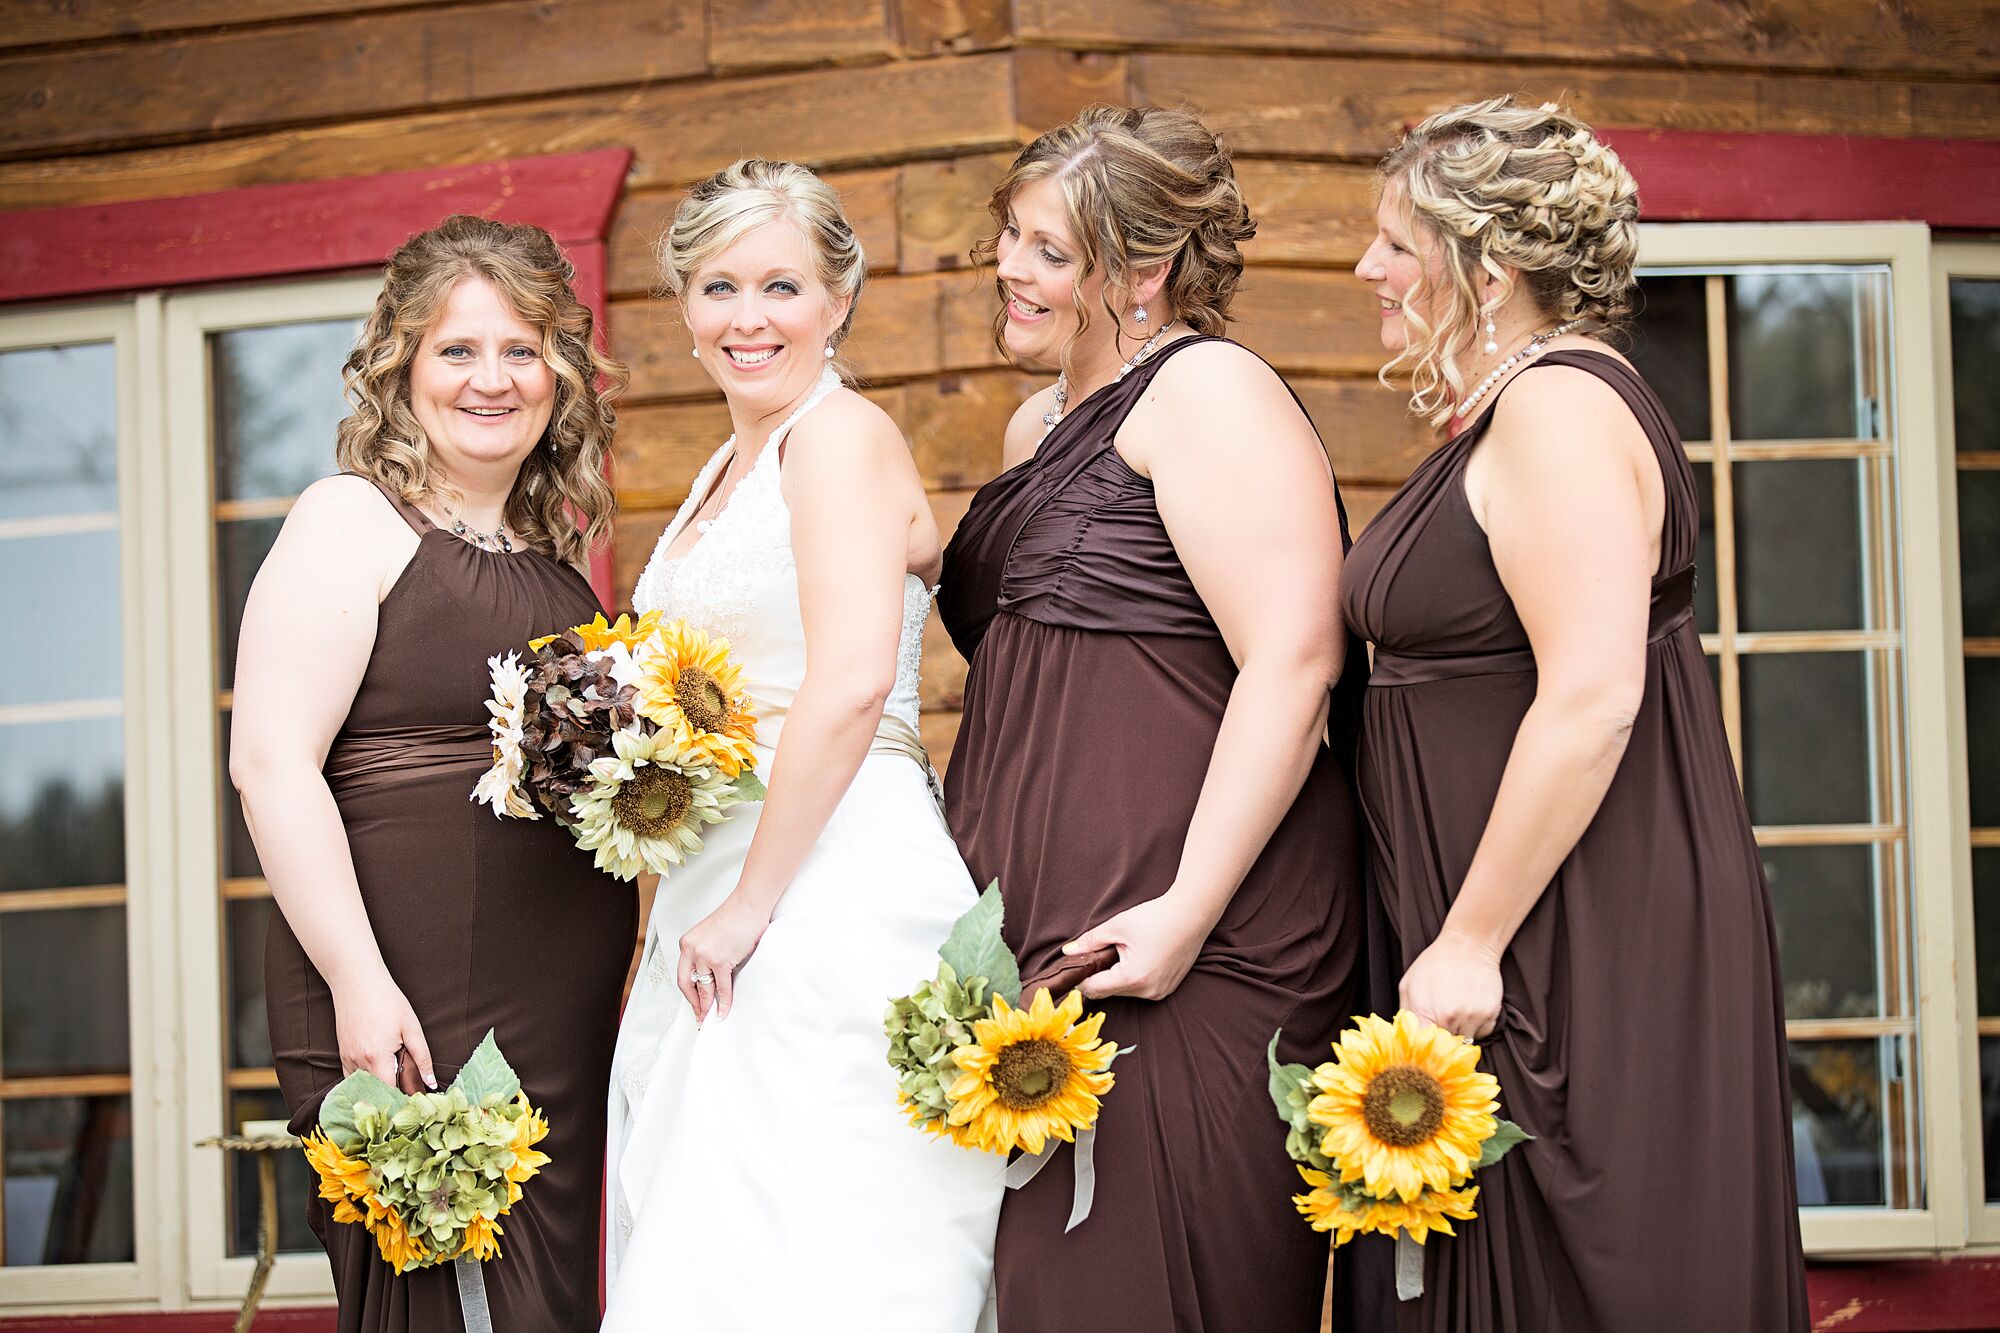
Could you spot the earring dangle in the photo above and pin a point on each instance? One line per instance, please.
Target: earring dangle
(829, 353)
(1139, 315)
(1492, 346)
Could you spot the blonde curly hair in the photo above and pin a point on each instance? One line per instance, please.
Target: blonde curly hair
(561, 503)
(1141, 186)
(1508, 189)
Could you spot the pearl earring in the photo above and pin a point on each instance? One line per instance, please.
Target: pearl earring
(1139, 315)
(1491, 346)
(829, 352)
(695, 352)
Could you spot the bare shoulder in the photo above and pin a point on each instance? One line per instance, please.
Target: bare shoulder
(847, 433)
(1220, 398)
(340, 509)
(1554, 409)
(1025, 427)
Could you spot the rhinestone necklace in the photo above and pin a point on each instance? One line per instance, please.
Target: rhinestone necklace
(1055, 414)
(495, 540)
(1536, 345)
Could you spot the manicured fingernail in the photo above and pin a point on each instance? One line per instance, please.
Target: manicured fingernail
(1070, 947)
(430, 1080)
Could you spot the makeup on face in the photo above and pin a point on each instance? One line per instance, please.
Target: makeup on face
(479, 385)
(760, 318)
(1392, 268)
(1037, 263)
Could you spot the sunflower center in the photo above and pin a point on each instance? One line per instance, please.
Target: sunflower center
(1403, 1107)
(701, 699)
(1030, 1073)
(654, 801)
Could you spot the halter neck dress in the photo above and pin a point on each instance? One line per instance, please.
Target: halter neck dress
(483, 922)
(1097, 688)
(1641, 1036)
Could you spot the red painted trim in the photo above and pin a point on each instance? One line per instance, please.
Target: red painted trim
(266, 231)
(1689, 175)
(206, 1321)
(588, 258)
(1906, 1296)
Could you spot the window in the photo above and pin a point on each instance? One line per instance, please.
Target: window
(1791, 358)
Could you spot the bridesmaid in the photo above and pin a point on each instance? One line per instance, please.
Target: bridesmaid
(1556, 826)
(410, 919)
(1149, 600)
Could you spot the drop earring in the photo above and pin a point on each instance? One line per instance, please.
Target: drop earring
(1139, 315)
(829, 352)
(1491, 345)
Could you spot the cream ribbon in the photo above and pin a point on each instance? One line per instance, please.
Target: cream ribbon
(1029, 1165)
(1409, 1267)
(472, 1296)
(895, 736)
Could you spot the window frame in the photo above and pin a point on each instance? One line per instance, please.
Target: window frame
(1934, 717)
(1960, 258)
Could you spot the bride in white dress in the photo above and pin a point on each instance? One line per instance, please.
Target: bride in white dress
(760, 1175)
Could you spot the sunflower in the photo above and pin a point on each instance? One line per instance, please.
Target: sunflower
(342, 1179)
(1404, 1106)
(1348, 1212)
(646, 802)
(529, 1130)
(500, 785)
(1029, 1074)
(399, 1248)
(597, 636)
(482, 1238)
(689, 686)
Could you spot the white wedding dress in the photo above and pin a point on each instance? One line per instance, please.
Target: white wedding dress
(761, 1176)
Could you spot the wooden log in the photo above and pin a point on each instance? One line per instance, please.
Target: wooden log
(634, 534)
(40, 22)
(362, 66)
(868, 197)
(1052, 86)
(1353, 109)
(765, 34)
(679, 133)
(1370, 436)
(1363, 503)
(941, 211)
(1308, 212)
(953, 27)
(1309, 320)
(940, 733)
(1937, 36)
(908, 325)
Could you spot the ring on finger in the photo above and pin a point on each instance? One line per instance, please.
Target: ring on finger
(1468, 1041)
(703, 977)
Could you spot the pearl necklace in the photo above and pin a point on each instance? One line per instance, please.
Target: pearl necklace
(1535, 347)
(1055, 414)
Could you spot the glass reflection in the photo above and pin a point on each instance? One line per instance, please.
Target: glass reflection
(62, 804)
(1798, 544)
(1979, 551)
(1986, 927)
(67, 580)
(1975, 349)
(1824, 900)
(68, 1164)
(1807, 739)
(277, 400)
(1989, 1112)
(1670, 348)
(63, 998)
(239, 853)
(294, 1182)
(1982, 738)
(249, 1037)
(1794, 354)
(1707, 618)
(1837, 1099)
(240, 548)
(58, 432)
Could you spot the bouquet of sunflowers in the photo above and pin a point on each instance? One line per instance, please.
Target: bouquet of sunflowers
(1389, 1132)
(976, 1067)
(633, 736)
(429, 1175)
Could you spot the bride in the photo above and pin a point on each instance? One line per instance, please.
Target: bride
(760, 1175)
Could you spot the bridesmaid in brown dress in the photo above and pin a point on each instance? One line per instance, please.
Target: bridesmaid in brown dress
(412, 920)
(1554, 821)
(1148, 598)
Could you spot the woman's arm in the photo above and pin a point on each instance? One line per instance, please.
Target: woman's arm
(1246, 495)
(308, 629)
(1563, 494)
(853, 492)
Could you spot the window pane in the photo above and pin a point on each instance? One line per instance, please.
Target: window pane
(1706, 618)
(1824, 899)
(68, 1164)
(62, 804)
(1975, 349)
(63, 992)
(1982, 738)
(1798, 544)
(1670, 348)
(63, 589)
(1837, 1122)
(58, 432)
(1989, 1111)
(1986, 926)
(249, 1037)
(277, 400)
(1807, 744)
(240, 547)
(239, 853)
(1794, 355)
(1979, 550)
(294, 1182)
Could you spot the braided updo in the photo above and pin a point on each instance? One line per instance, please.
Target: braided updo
(1141, 186)
(1530, 188)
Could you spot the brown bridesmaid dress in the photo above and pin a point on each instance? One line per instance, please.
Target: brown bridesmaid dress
(483, 922)
(1097, 687)
(1641, 1037)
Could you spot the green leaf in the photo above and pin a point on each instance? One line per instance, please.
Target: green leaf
(974, 947)
(487, 1075)
(749, 787)
(1285, 1079)
(1506, 1137)
(336, 1112)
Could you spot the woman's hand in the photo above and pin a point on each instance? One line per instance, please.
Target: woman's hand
(1455, 983)
(375, 1027)
(1156, 942)
(711, 951)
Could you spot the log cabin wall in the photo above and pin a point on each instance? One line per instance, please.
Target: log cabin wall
(912, 108)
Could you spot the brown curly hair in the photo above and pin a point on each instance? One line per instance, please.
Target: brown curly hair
(561, 503)
(1528, 187)
(1141, 186)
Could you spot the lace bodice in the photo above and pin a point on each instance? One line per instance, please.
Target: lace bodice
(740, 581)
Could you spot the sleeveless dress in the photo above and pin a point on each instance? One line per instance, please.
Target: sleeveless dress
(1641, 1037)
(1097, 688)
(483, 922)
(761, 1176)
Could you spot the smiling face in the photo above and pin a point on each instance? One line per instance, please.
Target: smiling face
(1036, 259)
(478, 383)
(761, 318)
(1394, 266)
